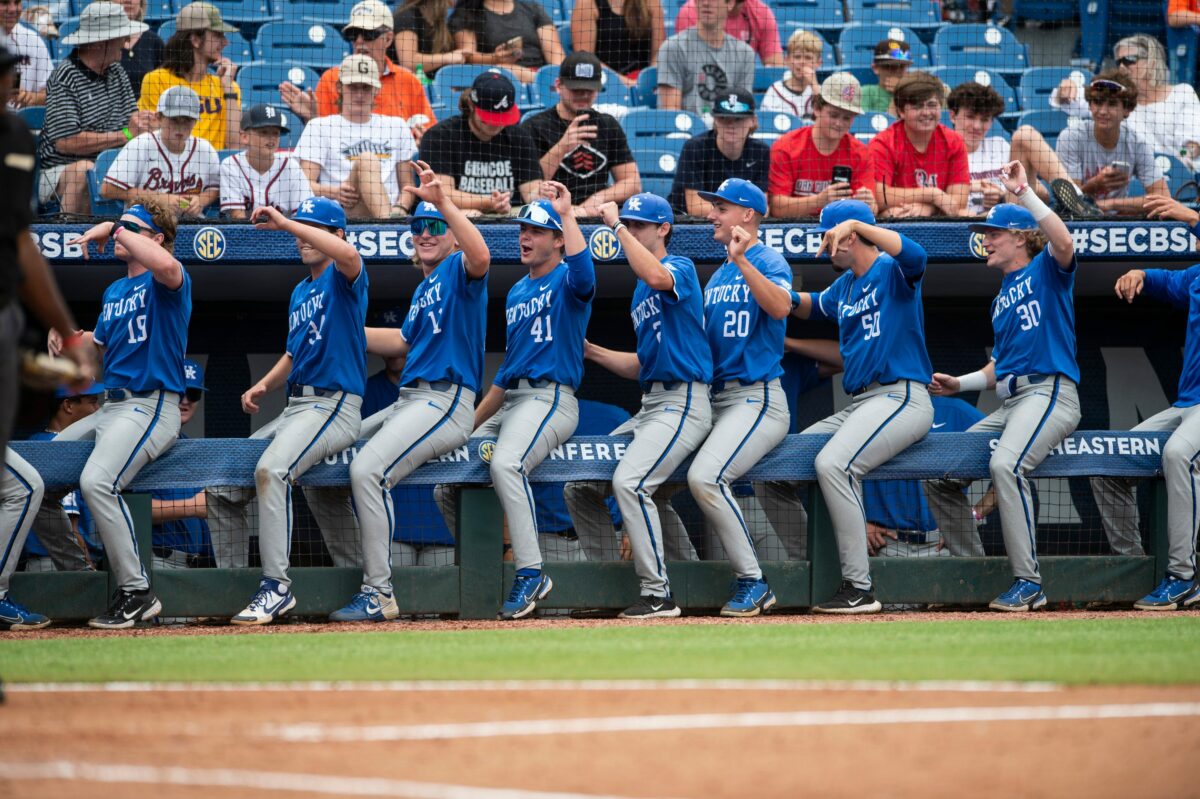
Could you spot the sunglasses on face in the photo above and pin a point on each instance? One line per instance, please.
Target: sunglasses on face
(194, 395)
(434, 227)
(133, 227)
(367, 36)
(1128, 60)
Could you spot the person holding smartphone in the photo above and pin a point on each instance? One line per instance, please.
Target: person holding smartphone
(516, 34)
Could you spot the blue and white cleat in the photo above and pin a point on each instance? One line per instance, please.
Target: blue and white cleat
(750, 598)
(1023, 596)
(369, 604)
(270, 603)
(529, 586)
(1170, 594)
(14, 616)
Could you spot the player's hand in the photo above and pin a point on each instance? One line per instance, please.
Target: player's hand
(835, 191)
(500, 202)
(580, 131)
(1160, 206)
(303, 103)
(740, 241)
(1013, 175)
(252, 396)
(867, 196)
(430, 190)
(266, 217)
(944, 385)
(877, 537)
(559, 197)
(96, 233)
(54, 342)
(348, 194)
(833, 239)
(626, 548)
(610, 213)
(1129, 285)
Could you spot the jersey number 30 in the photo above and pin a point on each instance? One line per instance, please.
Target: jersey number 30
(1031, 314)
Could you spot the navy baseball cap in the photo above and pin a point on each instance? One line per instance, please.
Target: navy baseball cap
(739, 192)
(66, 392)
(540, 213)
(264, 115)
(426, 210)
(738, 103)
(1005, 216)
(495, 99)
(841, 210)
(193, 375)
(646, 207)
(320, 211)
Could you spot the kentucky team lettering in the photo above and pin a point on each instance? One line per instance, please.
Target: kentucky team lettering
(307, 311)
(861, 306)
(432, 295)
(647, 308)
(739, 293)
(125, 305)
(531, 307)
(1015, 294)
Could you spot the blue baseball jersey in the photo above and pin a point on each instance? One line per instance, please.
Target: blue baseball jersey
(1033, 319)
(880, 319)
(143, 327)
(676, 317)
(1182, 289)
(746, 343)
(72, 505)
(446, 326)
(326, 338)
(900, 504)
(546, 319)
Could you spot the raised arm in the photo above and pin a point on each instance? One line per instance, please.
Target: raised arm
(476, 255)
(771, 297)
(643, 262)
(1062, 247)
(147, 252)
(581, 275)
(341, 252)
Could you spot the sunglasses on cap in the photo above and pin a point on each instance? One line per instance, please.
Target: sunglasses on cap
(896, 53)
(351, 34)
(1110, 85)
(434, 227)
(1128, 60)
(194, 395)
(537, 214)
(733, 106)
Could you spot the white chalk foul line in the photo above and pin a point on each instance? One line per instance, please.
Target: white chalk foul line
(329, 733)
(461, 686)
(267, 780)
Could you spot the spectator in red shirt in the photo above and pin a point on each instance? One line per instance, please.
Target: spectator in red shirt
(803, 161)
(920, 164)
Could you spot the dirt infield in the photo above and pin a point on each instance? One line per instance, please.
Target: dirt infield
(609, 740)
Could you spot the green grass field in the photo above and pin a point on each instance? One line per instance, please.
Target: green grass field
(1117, 651)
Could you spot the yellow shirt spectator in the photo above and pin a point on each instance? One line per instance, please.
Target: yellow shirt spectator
(213, 117)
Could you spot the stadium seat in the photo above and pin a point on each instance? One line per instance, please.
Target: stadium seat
(656, 163)
(156, 11)
(1182, 46)
(247, 12)
(647, 123)
(1038, 83)
(1045, 10)
(826, 16)
(60, 50)
(922, 16)
(452, 79)
(773, 124)
(260, 81)
(1048, 123)
(764, 77)
(309, 44)
(613, 91)
(1181, 181)
(564, 36)
(34, 117)
(857, 43)
(954, 76)
(239, 51)
(329, 12)
(983, 46)
(101, 206)
(645, 94)
(865, 126)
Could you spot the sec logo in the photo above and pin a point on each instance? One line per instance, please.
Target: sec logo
(976, 245)
(209, 244)
(485, 451)
(604, 245)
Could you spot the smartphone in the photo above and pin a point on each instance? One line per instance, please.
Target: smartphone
(842, 174)
(1123, 166)
(514, 43)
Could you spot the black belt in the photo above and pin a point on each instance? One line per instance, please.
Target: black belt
(120, 394)
(668, 385)
(914, 537)
(312, 391)
(542, 383)
(436, 385)
(719, 385)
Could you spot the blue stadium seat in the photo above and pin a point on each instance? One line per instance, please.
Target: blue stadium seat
(452, 79)
(239, 51)
(980, 46)
(827, 16)
(649, 123)
(865, 126)
(1182, 46)
(857, 43)
(1181, 181)
(656, 162)
(953, 76)
(330, 12)
(773, 124)
(1049, 123)
(60, 50)
(34, 117)
(922, 16)
(311, 44)
(555, 9)
(101, 206)
(247, 12)
(764, 77)
(156, 11)
(564, 36)
(1038, 83)
(613, 91)
(260, 81)
(645, 94)
(1046, 10)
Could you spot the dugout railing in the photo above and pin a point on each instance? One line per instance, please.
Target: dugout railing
(473, 587)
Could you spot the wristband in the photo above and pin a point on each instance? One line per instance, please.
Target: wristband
(973, 381)
(1020, 192)
(114, 230)
(126, 133)
(73, 340)
(1034, 204)
(231, 95)
(617, 227)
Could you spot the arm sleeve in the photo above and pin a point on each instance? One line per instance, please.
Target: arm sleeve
(539, 15)
(62, 113)
(1171, 286)
(581, 274)
(881, 161)
(818, 305)
(680, 268)
(127, 167)
(863, 165)
(768, 43)
(462, 19)
(231, 197)
(911, 260)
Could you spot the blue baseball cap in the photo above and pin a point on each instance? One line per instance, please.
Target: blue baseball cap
(426, 210)
(841, 210)
(739, 192)
(193, 375)
(65, 392)
(647, 207)
(143, 216)
(321, 211)
(540, 213)
(1005, 216)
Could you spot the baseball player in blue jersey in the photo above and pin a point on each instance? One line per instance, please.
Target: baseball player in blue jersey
(531, 406)
(746, 303)
(876, 303)
(180, 535)
(443, 339)
(142, 330)
(1181, 455)
(324, 369)
(674, 366)
(1034, 372)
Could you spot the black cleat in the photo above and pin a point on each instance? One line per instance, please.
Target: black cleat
(850, 601)
(1072, 202)
(127, 609)
(652, 607)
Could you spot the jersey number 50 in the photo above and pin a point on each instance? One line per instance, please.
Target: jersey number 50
(870, 323)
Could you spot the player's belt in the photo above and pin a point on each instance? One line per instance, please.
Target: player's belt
(121, 394)
(720, 385)
(312, 391)
(662, 385)
(529, 382)
(1016, 382)
(916, 537)
(436, 385)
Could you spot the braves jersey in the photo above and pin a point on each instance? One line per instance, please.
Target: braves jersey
(446, 326)
(1182, 289)
(243, 188)
(676, 315)
(545, 321)
(143, 328)
(1033, 319)
(880, 319)
(146, 163)
(327, 340)
(746, 343)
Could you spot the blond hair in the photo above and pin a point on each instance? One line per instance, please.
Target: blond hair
(805, 41)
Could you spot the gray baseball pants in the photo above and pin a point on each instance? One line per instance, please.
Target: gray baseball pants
(425, 422)
(877, 425)
(21, 491)
(12, 324)
(1181, 469)
(129, 433)
(1031, 422)
(748, 422)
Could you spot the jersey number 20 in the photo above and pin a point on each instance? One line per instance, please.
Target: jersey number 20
(737, 324)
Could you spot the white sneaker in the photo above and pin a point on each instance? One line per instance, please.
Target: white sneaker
(270, 603)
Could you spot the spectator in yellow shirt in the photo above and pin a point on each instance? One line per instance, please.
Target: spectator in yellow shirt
(197, 44)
